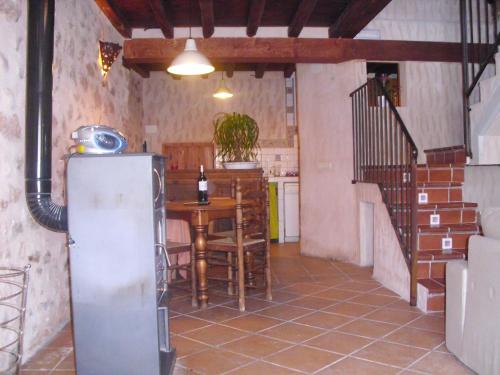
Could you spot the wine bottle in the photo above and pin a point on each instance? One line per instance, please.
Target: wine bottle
(202, 187)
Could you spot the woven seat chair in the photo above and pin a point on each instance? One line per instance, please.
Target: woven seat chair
(174, 269)
(247, 251)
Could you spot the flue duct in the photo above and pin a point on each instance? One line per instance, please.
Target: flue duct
(38, 153)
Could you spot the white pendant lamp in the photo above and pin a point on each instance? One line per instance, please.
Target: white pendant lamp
(222, 91)
(190, 62)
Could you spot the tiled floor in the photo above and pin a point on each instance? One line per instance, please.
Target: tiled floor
(326, 318)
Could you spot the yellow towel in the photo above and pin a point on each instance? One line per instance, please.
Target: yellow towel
(273, 211)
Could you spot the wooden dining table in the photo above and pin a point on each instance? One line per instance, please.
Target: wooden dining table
(199, 216)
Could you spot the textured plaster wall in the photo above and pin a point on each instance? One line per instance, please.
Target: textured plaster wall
(432, 104)
(79, 98)
(482, 186)
(389, 266)
(183, 110)
(327, 197)
(427, 20)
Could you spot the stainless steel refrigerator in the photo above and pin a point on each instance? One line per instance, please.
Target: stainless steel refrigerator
(116, 217)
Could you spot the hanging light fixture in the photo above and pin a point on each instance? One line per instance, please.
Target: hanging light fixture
(222, 91)
(190, 62)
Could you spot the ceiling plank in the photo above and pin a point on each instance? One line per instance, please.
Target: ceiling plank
(356, 15)
(255, 16)
(260, 69)
(115, 17)
(289, 70)
(162, 17)
(291, 50)
(207, 17)
(301, 16)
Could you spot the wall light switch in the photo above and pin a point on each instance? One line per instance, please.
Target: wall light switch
(435, 220)
(423, 198)
(447, 243)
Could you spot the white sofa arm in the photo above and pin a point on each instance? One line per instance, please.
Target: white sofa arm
(456, 293)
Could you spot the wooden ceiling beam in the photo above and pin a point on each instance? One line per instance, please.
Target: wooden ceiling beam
(207, 17)
(356, 15)
(260, 69)
(255, 16)
(143, 72)
(301, 16)
(230, 70)
(115, 17)
(162, 17)
(291, 50)
(288, 71)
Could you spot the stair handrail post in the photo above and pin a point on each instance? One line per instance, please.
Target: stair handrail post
(414, 218)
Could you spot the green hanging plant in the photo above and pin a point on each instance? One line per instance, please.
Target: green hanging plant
(236, 136)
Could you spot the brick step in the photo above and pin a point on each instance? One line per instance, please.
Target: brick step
(439, 255)
(441, 192)
(449, 213)
(434, 292)
(454, 154)
(449, 228)
(434, 240)
(434, 266)
(440, 173)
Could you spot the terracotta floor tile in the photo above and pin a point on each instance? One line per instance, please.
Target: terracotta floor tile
(217, 314)
(441, 364)
(67, 363)
(368, 328)
(215, 334)
(34, 372)
(64, 339)
(355, 366)
(282, 296)
(337, 294)
(442, 348)
(256, 346)
(263, 368)
(323, 320)
(311, 302)
(185, 346)
(285, 312)
(416, 337)
(393, 316)
(391, 354)
(385, 292)
(182, 305)
(430, 323)
(304, 358)
(293, 332)
(252, 304)
(359, 286)
(213, 361)
(305, 288)
(401, 304)
(374, 299)
(47, 359)
(252, 322)
(350, 309)
(184, 323)
(338, 342)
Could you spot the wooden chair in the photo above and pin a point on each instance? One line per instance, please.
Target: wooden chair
(248, 250)
(174, 249)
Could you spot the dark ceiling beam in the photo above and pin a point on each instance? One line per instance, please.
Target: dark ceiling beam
(255, 16)
(301, 16)
(288, 71)
(291, 50)
(207, 17)
(162, 17)
(260, 69)
(356, 15)
(115, 17)
(230, 70)
(143, 72)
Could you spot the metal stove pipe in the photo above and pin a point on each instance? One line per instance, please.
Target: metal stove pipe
(38, 152)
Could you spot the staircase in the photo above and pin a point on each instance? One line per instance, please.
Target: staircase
(485, 121)
(441, 179)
